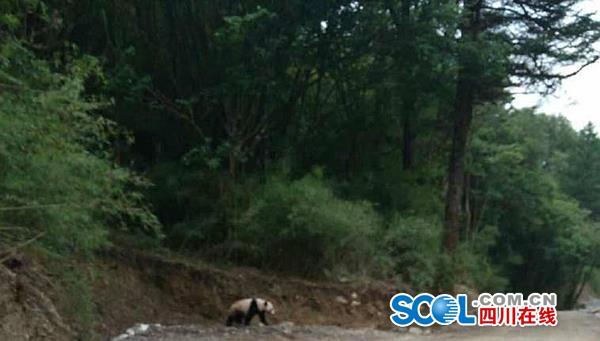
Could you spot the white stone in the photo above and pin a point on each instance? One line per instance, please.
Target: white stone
(415, 331)
(121, 337)
(341, 299)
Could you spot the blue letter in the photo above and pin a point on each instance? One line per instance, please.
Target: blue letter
(401, 305)
(423, 321)
(463, 318)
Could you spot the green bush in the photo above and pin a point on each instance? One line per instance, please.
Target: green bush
(302, 227)
(575, 254)
(188, 202)
(58, 187)
(57, 181)
(76, 298)
(413, 245)
(473, 266)
(595, 281)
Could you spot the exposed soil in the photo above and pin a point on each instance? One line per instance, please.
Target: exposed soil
(134, 287)
(27, 311)
(130, 287)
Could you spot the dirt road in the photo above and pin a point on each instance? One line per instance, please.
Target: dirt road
(573, 326)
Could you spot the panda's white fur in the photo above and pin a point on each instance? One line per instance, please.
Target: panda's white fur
(242, 311)
(243, 305)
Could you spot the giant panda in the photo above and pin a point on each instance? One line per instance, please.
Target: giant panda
(242, 311)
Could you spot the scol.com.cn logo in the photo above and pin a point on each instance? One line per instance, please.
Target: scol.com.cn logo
(492, 310)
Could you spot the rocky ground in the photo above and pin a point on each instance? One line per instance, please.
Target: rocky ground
(283, 331)
(573, 325)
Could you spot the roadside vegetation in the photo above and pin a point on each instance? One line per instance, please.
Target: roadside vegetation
(329, 139)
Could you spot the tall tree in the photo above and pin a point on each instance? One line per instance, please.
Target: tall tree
(506, 43)
(582, 178)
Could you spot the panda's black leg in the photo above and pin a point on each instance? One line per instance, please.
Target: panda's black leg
(249, 317)
(261, 315)
(251, 312)
(229, 321)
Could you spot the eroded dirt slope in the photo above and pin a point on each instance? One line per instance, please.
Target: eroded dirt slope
(26, 310)
(134, 287)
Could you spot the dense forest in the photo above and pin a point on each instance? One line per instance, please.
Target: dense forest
(324, 138)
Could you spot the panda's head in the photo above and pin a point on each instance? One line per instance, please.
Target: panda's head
(267, 306)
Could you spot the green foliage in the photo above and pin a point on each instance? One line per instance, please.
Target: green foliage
(545, 238)
(217, 93)
(56, 179)
(363, 90)
(179, 191)
(474, 266)
(301, 226)
(413, 244)
(595, 281)
(13, 13)
(581, 177)
(77, 300)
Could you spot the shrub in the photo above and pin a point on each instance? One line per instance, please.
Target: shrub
(473, 265)
(189, 202)
(303, 227)
(595, 281)
(60, 191)
(414, 247)
(413, 244)
(57, 181)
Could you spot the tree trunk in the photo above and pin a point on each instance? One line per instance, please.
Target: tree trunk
(404, 28)
(463, 113)
(468, 232)
(407, 137)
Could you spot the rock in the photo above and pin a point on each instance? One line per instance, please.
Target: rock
(286, 327)
(121, 337)
(343, 279)
(355, 303)
(138, 329)
(354, 295)
(341, 300)
(415, 330)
